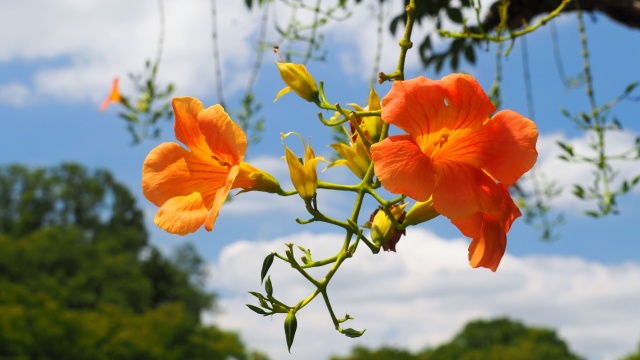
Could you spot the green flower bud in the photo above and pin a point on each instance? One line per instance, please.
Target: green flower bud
(383, 232)
(290, 326)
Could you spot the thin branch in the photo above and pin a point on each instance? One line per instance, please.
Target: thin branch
(216, 53)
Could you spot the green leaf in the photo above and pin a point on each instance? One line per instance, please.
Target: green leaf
(567, 148)
(454, 61)
(353, 333)
(586, 118)
(290, 326)
(470, 54)
(261, 299)
(578, 191)
(455, 15)
(268, 287)
(592, 213)
(257, 309)
(625, 187)
(279, 308)
(266, 265)
(630, 87)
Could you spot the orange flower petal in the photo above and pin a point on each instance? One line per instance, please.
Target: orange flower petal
(462, 190)
(471, 225)
(224, 137)
(412, 104)
(428, 109)
(169, 171)
(186, 127)
(468, 105)
(489, 231)
(487, 249)
(403, 168)
(513, 146)
(220, 197)
(182, 214)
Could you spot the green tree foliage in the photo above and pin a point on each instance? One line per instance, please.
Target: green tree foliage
(80, 281)
(439, 12)
(383, 353)
(503, 339)
(634, 356)
(495, 339)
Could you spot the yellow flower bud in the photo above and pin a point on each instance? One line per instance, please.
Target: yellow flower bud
(257, 180)
(303, 171)
(355, 156)
(299, 80)
(383, 232)
(420, 212)
(372, 124)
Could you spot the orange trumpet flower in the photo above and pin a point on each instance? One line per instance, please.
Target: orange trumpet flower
(190, 186)
(452, 151)
(457, 157)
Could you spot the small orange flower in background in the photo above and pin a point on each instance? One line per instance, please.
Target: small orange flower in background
(453, 153)
(114, 96)
(190, 186)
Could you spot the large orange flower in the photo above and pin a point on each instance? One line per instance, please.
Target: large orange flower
(191, 185)
(452, 152)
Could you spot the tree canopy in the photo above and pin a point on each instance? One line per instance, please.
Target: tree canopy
(497, 339)
(80, 281)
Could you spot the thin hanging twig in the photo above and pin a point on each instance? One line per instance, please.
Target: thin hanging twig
(216, 53)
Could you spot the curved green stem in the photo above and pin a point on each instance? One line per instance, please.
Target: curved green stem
(405, 44)
(512, 34)
(339, 187)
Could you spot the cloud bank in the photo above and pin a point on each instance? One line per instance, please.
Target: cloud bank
(424, 293)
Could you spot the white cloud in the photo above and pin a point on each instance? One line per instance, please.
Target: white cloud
(424, 293)
(362, 28)
(83, 45)
(14, 94)
(77, 47)
(566, 174)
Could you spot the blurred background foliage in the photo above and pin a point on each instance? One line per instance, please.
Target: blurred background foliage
(496, 339)
(79, 279)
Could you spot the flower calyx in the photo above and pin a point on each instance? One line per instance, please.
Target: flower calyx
(383, 231)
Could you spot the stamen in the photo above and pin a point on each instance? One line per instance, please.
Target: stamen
(220, 162)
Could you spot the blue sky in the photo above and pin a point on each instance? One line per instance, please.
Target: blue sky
(56, 65)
